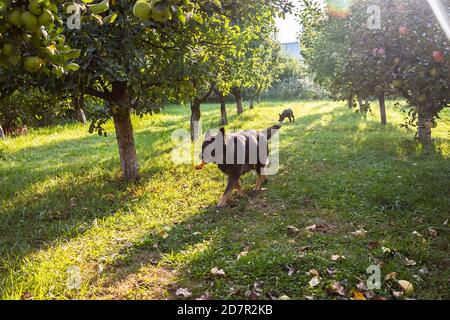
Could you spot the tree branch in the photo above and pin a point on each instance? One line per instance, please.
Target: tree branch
(99, 94)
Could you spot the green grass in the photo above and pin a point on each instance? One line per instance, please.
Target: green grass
(62, 205)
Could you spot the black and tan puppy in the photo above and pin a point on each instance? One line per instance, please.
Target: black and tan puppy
(236, 154)
(288, 113)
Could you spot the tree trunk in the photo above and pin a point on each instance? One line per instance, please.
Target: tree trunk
(350, 102)
(425, 130)
(360, 103)
(78, 105)
(223, 111)
(195, 119)
(237, 92)
(125, 140)
(252, 102)
(2, 134)
(382, 102)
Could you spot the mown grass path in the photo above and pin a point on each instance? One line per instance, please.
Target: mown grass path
(63, 206)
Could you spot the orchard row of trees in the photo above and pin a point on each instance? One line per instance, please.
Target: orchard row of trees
(379, 48)
(137, 55)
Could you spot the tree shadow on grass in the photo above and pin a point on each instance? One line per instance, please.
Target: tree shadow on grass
(59, 192)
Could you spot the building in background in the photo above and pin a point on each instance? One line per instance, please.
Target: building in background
(292, 49)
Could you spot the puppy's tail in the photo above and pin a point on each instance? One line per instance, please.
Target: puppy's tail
(271, 131)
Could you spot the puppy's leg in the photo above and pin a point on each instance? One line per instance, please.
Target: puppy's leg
(259, 181)
(264, 179)
(293, 118)
(239, 190)
(230, 186)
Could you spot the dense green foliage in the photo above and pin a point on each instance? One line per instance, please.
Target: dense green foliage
(407, 54)
(136, 55)
(291, 81)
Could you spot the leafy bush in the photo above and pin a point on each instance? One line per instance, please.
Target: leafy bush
(292, 82)
(37, 109)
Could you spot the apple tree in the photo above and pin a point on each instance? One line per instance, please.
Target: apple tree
(420, 55)
(325, 48)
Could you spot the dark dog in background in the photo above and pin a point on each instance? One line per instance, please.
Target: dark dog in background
(288, 113)
(236, 154)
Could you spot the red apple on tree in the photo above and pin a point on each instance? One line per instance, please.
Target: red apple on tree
(438, 56)
(402, 7)
(403, 31)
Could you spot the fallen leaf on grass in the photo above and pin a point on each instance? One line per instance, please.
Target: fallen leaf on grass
(284, 297)
(242, 254)
(313, 272)
(293, 230)
(361, 286)
(335, 288)
(432, 232)
(26, 296)
(314, 282)
(320, 228)
(217, 272)
(311, 228)
(386, 250)
(252, 294)
(369, 294)
(409, 262)
(183, 292)
(361, 233)
(417, 234)
(357, 295)
(390, 276)
(406, 286)
(336, 257)
(205, 296)
(373, 245)
(291, 270)
(304, 249)
(423, 270)
(445, 222)
(331, 272)
(164, 234)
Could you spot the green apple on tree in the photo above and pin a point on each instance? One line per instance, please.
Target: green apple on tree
(30, 21)
(32, 64)
(142, 10)
(14, 17)
(8, 49)
(46, 18)
(160, 11)
(35, 7)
